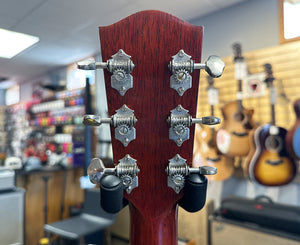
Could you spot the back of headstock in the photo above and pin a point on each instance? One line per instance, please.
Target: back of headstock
(152, 87)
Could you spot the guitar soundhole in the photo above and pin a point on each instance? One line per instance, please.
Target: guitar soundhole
(239, 116)
(274, 143)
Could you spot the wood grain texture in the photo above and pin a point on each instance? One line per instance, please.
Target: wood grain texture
(152, 38)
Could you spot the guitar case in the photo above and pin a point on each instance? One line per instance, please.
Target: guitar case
(262, 211)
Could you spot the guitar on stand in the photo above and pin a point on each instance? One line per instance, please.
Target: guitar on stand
(152, 78)
(271, 164)
(205, 142)
(233, 136)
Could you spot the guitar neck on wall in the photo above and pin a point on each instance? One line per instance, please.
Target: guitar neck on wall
(271, 165)
(152, 76)
(233, 137)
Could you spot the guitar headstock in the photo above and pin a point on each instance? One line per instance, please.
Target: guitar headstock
(211, 82)
(152, 79)
(269, 75)
(237, 52)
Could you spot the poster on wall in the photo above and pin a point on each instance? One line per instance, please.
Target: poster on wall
(254, 86)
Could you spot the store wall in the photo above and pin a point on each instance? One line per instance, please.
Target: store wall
(253, 23)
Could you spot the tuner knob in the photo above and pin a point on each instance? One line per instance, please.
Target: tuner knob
(177, 170)
(126, 170)
(182, 65)
(120, 65)
(123, 121)
(180, 121)
(214, 66)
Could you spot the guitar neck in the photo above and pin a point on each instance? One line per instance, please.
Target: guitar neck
(151, 38)
(273, 118)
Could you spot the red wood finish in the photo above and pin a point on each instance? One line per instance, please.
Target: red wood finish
(152, 38)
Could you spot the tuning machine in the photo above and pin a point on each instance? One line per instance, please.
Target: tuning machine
(178, 170)
(127, 170)
(120, 65)
(180, 121)
(182, 65)
(123, 121)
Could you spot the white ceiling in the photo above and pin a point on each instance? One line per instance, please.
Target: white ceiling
(68, 28)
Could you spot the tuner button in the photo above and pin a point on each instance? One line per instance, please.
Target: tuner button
(86, 65)
(207, 170)
(214, 66)
(209, 120)
(95, 170)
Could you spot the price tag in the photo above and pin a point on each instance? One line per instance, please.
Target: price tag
(240, 70)
(273, 96)
(213, 96)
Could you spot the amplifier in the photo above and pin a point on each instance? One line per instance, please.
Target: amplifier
(7, 179)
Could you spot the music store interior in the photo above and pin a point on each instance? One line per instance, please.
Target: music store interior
(149, 122)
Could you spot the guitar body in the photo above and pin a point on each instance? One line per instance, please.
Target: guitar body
(233, 137)
(151, 38)
(248, 158)
(206, 153)
(293, 136)
(271, 165)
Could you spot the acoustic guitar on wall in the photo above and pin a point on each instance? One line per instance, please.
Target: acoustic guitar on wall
(271, 164)
(152, 62)
(292, 139)
(205, 149)
(233, 136)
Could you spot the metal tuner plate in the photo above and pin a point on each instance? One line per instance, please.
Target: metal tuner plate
(120, 65)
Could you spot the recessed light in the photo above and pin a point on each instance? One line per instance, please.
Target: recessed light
(13, 43)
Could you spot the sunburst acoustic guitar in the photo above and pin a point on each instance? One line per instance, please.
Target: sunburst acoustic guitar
(233, 136)
(271, 164)
(205, 149)
(151, 78)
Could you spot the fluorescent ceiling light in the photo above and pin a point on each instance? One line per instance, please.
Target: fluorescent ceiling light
(13, 43)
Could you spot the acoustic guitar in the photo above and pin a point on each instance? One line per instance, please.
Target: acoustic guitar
(271, 164)
(205, 149)
(233, 136)
(151, 78)
(292, 139)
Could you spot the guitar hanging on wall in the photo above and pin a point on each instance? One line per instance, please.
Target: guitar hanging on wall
(152, 77)
(205, 143)
(271, 164)
(233, 136)
(292, 139)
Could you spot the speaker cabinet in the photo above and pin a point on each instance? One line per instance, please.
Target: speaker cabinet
(12, 216)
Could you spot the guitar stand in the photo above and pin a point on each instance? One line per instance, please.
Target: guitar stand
(111, 191)
(194, 193)
(194, 198)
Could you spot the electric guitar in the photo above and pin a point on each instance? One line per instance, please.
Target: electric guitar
(151, 78)
(271, 164)
(233, 136)
(292, 139)
(205, 149)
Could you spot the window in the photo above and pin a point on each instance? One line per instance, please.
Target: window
(289, 19)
